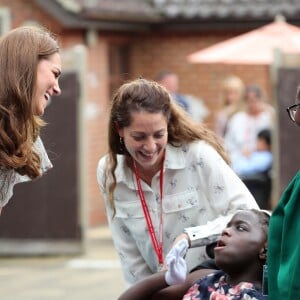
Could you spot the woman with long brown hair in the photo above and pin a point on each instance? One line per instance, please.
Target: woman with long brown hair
(163, 173)
(30, 66)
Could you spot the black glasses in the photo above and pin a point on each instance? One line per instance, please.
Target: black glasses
(292, 110)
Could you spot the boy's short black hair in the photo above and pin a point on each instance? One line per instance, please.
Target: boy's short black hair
(265, 134)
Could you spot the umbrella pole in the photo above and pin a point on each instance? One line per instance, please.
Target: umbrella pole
(275, 195)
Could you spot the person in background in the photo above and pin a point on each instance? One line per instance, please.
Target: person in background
(194, 106)
(170, 81)
(232, 96)
(240, 254)
(258, 161)
(255, 170)
(197, 108)
(284, 244)
(30, 66)
(163, 173)
(243, 127)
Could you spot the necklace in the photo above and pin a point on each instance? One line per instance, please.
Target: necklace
(157, 243)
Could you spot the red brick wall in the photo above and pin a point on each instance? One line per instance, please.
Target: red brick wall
(152, 54)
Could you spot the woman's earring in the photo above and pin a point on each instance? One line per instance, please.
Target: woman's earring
(121, 145)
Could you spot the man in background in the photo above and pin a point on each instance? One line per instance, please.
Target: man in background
(192, 105)
(170, 81)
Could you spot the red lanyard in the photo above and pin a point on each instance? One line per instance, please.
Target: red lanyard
(158, 245)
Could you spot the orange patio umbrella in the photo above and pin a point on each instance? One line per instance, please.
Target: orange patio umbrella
(254, 47)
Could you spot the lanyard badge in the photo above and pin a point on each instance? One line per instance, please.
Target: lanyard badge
(156, 242)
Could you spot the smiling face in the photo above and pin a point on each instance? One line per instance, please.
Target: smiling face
(145, 139)
(48, 71)
(241, 241)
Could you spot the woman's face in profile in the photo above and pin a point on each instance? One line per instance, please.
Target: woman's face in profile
(48, 72)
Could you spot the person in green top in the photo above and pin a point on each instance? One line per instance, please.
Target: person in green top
(283, 239)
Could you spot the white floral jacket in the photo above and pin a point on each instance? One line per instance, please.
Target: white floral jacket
(200, 189)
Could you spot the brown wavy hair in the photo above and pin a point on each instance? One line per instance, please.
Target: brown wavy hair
(20, 52)
(144, 95)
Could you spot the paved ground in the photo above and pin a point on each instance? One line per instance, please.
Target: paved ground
(96, 275)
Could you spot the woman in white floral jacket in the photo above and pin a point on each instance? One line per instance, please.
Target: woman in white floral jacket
(163, 173)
